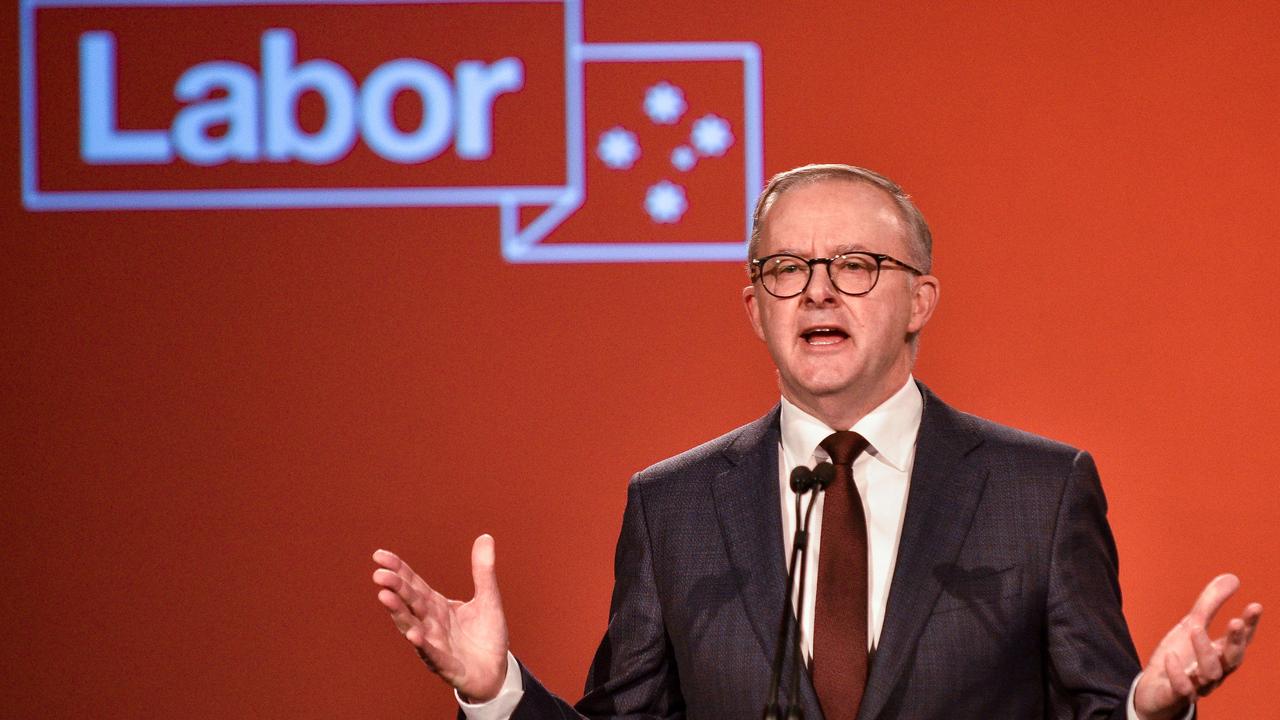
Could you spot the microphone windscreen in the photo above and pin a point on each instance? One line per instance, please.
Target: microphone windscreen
(824, 474)
(801, 480)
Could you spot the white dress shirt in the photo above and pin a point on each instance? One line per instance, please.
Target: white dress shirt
(883, 476)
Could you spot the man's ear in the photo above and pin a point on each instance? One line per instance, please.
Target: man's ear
(924, 300)
(751, 304)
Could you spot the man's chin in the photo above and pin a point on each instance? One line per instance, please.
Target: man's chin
(818, 391)
(828, 390)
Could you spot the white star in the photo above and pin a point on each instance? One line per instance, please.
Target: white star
(683, 158)
(665, 202)
(618, 148)
(664, 103)
(711, 135)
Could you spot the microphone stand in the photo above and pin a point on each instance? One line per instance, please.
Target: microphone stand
(824, 473)
(802, 481)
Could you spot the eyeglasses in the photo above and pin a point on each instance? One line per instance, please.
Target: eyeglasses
(852, 273)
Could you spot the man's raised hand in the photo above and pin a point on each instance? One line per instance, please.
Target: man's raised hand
(1187, 664)
(463, 643)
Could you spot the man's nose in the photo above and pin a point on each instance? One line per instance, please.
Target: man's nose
(820, 290)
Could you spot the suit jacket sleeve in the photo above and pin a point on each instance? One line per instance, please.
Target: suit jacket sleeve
(633, 675)
(1092, 658)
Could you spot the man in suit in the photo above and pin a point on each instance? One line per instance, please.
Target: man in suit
(963, 569)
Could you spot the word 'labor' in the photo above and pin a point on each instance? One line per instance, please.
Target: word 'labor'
(260, 113)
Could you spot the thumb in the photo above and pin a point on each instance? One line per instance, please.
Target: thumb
(1212, 598)
(483, 575)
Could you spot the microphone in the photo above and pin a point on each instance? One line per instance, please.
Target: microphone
(802, 481)
(822, 475)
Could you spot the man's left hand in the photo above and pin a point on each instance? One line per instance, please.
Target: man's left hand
(1187, 664)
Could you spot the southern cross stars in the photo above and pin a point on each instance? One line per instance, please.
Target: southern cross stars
(711, 135)
(618, 148)
(664, 103)
(665, 202)
(683, 158)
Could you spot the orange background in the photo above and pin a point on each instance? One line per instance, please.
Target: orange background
(210, 419)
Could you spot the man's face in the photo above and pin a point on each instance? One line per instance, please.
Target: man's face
(828, 346)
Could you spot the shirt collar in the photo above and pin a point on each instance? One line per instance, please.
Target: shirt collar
(890, 428)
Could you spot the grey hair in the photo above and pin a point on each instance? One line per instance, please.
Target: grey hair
(921, 240)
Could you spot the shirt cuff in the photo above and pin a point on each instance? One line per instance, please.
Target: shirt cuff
(501, 707)
(1133, 714)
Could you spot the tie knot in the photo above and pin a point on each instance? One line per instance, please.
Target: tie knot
(844, 446)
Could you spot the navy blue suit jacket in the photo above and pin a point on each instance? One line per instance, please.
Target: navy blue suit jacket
(1004, 601)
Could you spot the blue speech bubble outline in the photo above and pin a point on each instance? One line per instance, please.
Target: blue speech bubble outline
(519, 245)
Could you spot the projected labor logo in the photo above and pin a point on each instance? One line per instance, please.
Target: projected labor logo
(590, 152)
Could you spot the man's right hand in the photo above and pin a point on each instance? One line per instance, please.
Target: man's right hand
(464, 643)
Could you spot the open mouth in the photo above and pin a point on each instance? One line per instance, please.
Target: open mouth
(824, 335)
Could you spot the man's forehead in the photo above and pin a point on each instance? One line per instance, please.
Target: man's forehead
(844, 215)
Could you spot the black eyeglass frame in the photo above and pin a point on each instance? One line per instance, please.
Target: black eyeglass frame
(880, 258)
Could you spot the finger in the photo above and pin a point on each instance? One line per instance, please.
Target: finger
(392, 563)
(396, 584)
(415, 591)
(387, 559)
(387, 579)
(1208, 662)
(1252, 616)
(1239, 633)
(413, 579)
(400, 613)
(1176, 672)
(425, 635)
(421, 600)
(1212, 598)
(395, 564)
(483, 573)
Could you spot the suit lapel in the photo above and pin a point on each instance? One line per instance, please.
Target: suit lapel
(944, 493)
(747, 506)
(747, 502)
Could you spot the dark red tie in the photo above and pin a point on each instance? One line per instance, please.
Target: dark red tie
(840, 618)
